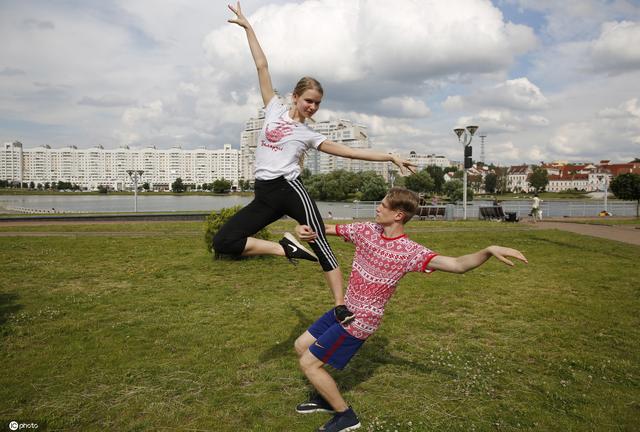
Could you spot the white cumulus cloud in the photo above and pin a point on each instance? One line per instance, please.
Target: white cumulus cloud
(618, 47)
(405, 106)
(375, 40)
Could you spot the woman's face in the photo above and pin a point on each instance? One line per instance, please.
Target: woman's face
(308, 102)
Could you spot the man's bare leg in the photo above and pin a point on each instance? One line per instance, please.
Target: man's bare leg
(322, 381)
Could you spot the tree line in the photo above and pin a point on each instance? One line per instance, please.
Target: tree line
(344, 185)
(60, 185)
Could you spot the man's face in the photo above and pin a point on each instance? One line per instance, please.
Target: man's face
(385, 215)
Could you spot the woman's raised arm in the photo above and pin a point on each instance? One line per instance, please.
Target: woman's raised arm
(264, 78)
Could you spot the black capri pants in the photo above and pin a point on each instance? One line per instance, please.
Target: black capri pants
(274, 199)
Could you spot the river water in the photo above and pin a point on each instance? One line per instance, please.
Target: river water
(77, 203)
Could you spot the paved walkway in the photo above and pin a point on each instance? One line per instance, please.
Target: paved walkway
(622, 233)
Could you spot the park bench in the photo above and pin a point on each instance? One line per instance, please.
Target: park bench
(497, 213)
(431, 212)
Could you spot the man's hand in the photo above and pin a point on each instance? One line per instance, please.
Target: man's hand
(343, 315)
(305, 233)
(501, 253)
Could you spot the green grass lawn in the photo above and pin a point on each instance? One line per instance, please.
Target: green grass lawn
(134, 327)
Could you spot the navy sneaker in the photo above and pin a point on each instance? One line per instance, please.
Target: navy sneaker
(294, 250)
(342, 422)
(313, 405)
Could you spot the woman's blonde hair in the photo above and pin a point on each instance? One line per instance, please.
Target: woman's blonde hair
(404, 200)
(307, 83)
(304, 84)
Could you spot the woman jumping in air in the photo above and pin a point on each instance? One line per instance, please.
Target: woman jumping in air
(279, 191)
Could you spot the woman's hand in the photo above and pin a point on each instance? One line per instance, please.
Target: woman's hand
(404, 165)
(240, 18)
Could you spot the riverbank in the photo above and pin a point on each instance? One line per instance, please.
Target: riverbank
(166, 203)
(11, 191)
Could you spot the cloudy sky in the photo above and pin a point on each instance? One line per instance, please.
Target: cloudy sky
(544, 79)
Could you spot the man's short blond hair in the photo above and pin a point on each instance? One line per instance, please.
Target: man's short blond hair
(404, 200)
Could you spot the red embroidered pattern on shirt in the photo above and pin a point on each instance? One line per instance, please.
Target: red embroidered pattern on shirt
(281, 130)
(274, 147)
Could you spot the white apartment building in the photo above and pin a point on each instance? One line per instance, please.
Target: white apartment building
(11, 162)
(423, 161)
(248, 143)
(352, 135)
(90, 168)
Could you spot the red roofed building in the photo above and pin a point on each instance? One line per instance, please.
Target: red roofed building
(518, 178)
(565, 182)
(617, 169)
(601, 176)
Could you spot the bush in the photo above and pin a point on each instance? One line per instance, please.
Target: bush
(218, 218)
(454, 190)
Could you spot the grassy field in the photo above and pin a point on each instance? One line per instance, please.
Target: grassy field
(133, 327)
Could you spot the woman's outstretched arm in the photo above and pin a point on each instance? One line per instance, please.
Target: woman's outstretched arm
(264, 78)
(342, 150)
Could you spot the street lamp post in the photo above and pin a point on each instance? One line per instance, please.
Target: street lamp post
(464, 137)
(135, 176)
(392, 175)
(605, 187)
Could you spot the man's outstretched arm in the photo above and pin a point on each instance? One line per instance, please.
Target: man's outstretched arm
(305, 233)
(463, 264)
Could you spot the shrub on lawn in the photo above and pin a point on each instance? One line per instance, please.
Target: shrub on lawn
(218, 218)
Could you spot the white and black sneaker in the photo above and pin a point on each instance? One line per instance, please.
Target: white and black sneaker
(314, 405)
(294, 250)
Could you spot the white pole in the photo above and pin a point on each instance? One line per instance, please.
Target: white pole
(464, 195)
(606, 187)
(135, 193)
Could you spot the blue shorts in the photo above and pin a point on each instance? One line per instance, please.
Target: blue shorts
(333, 344)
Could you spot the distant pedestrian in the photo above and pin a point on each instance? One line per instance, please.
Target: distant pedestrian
(536, 209)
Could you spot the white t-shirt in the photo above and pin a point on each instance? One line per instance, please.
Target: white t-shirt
(281, 143)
